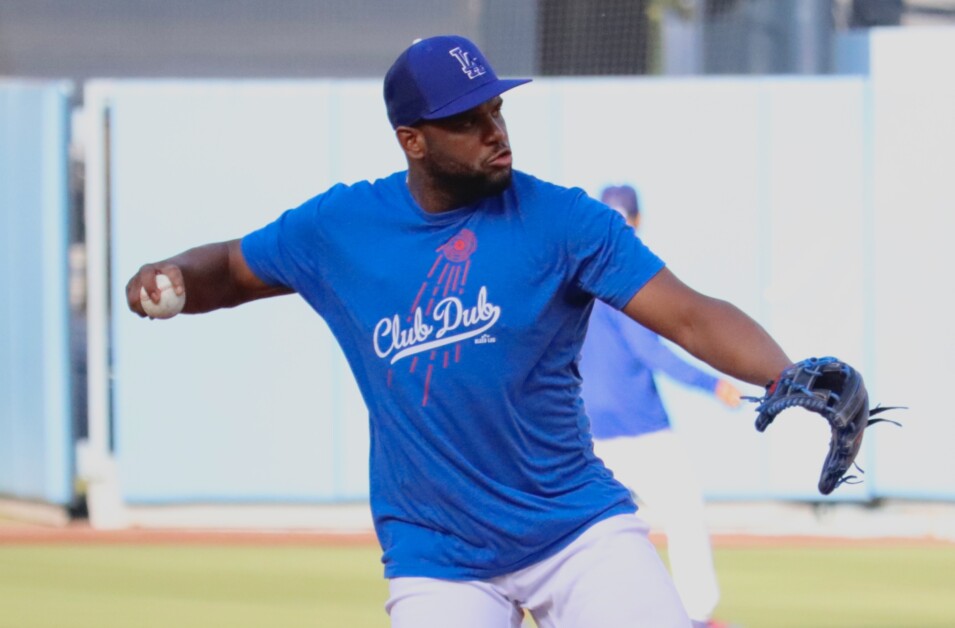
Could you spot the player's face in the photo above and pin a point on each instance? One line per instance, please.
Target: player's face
(469, 152)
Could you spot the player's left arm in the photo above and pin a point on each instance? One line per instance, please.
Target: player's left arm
(713, 330)
(647, 348)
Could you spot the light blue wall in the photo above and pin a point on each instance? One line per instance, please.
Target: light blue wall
(35, 438)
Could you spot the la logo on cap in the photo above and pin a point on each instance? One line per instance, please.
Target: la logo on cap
(423, 85)
(469, 66)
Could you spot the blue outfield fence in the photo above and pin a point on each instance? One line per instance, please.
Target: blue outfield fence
(35, 416)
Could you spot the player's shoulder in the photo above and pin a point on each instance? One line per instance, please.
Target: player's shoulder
(568, 210)
(529, 187)
(366, 187)
(551, 202)
(353, 196)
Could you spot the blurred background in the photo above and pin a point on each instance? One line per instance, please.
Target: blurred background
(792, 156)
(337, 38)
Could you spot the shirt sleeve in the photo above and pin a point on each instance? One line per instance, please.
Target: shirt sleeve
(288, 248)
(647, 347)
(611, 262)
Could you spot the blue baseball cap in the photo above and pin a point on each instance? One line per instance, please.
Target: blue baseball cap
(440, 77)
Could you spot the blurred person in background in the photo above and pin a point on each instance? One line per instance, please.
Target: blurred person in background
(633, 435)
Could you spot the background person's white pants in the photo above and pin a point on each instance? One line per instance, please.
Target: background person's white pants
(657, 467)
(611, 575)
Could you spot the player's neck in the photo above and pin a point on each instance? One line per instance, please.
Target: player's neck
(435, 198)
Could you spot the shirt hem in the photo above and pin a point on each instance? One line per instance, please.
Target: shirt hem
(487, 574)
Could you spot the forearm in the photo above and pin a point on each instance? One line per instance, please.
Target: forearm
(647, 348)
(212, 276)
(713, 330)
(207, 277)
(730, 341)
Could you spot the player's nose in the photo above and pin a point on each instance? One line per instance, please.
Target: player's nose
(495, 131)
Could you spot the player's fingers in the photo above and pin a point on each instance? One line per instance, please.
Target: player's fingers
(134, 304)
(147, 281)
(133, 301)
(133, 287)
(174, 273)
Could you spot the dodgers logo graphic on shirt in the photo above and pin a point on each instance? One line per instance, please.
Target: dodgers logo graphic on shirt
(469, 65)
(439, 318)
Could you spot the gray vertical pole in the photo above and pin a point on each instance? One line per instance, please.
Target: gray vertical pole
(770, 37)
(811, 36)
(508, 31)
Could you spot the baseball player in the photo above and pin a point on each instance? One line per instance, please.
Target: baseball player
(460, 291)
(632, 434)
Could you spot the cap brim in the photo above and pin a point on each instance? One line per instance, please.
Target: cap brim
(474, 98)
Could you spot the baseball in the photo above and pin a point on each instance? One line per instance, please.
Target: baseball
(169, 304)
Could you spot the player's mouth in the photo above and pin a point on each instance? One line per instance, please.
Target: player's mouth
(501, 159)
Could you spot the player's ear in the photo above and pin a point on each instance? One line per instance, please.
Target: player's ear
(412, 141)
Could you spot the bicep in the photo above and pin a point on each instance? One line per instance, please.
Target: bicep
(667, 306)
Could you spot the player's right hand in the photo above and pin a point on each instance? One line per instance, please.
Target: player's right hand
(728, 393)
(145, 278)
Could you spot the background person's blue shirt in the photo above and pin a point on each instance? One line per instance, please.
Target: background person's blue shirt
(463, 330)
(617, 363)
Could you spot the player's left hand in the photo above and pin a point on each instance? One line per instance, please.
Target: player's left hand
(834, 390)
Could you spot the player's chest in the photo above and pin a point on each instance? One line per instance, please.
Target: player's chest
(461, 283)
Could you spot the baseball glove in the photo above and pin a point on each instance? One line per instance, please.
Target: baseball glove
(834, 390)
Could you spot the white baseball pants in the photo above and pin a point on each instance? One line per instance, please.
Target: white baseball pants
(657, 467)
(611, 575)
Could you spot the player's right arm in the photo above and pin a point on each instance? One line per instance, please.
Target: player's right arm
(212, 276)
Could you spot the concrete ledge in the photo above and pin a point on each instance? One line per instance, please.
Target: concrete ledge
(346, 518)
(39, 513)
(890, 519)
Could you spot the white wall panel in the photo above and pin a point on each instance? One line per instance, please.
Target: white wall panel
(249, 404)
(819, 206)
(913, 135)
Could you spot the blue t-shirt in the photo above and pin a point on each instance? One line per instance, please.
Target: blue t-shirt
(463, 330)
(618, 362)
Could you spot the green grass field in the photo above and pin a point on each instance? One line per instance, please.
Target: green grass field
(186, 586)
